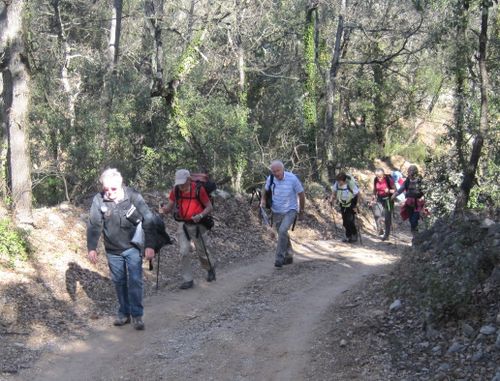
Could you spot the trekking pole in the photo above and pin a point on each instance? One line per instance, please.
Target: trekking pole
(357, 228)
(157, 270)
(200, 236)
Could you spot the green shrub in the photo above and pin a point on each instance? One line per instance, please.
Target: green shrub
(14, 246)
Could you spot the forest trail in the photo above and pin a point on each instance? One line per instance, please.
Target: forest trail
(255, 322)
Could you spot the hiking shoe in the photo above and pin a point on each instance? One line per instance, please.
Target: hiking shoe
(353, 239)
(278, 264)
(138, 323)
(211, 275)
(121, 320)
(346, 239)
(288, 261)
(186, 285)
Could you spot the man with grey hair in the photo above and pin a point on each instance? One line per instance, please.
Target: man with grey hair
(284, 188)
(116, 212)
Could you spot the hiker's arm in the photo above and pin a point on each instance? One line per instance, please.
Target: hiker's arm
(148, 226)
(207, 205)
(94, 229)
(166, 209)
(263, 197)
(333, 196)
(302, 203)
(401, 189)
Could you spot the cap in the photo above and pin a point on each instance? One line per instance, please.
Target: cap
(181, 176)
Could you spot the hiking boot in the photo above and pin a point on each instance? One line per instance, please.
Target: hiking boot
(138, 323)
(186, 285)
(288, 261)
(346, 239)
(353, 238)
(385, 238)
(211, 275)
(278, 264)
(121, 320)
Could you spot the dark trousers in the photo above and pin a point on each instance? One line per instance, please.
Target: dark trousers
(382, 211)
(414, 217)
(349, 221)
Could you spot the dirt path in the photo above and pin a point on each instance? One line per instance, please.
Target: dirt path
(255, 323)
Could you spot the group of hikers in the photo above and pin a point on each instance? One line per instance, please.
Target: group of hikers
(132, 231)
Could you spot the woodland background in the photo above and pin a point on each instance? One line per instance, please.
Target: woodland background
(150, 86)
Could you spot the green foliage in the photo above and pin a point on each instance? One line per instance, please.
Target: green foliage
(14, 246)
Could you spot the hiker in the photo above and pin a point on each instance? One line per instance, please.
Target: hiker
(191, 206)
(283, 188)
(346, 192)
(414, 198)
(381, 202)
(116, 212)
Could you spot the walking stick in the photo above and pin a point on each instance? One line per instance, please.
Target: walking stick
(151, 268)
(200, 236)
(356, 221)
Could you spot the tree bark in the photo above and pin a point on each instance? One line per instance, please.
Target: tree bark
(477, 145)
(330, 132)
(15, 77)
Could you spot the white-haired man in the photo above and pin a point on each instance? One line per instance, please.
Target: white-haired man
(116, 212)
(284, 188)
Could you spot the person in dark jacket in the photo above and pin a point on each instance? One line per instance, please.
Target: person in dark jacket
(122, 216)
(414, 194)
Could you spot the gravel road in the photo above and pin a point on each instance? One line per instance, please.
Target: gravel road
(255, 322)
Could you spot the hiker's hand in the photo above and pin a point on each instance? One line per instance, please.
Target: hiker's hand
(92, 256)
(197, 218)
(149, 253)
(300, 216)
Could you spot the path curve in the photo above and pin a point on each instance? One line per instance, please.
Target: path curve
(254, 323)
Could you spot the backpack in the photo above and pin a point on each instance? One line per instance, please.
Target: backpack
(351, 183)
(201, 180)
(414, 187)
(269, 192)
(162, 237)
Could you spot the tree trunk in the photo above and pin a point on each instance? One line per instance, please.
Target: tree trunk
(477, 145)
(114, 35)
(461, 63)
(310, 101)
(153, 12)
(71, 82)
(379, 105)
(330, 133)
(15, 96)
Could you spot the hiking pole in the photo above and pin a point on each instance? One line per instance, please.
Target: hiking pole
(356, 221)
(200, 236)
(157, 270)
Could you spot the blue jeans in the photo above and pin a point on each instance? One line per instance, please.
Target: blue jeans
(283, 223)
(126, 274)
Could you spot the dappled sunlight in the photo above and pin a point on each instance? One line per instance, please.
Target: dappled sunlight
(329, 251)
